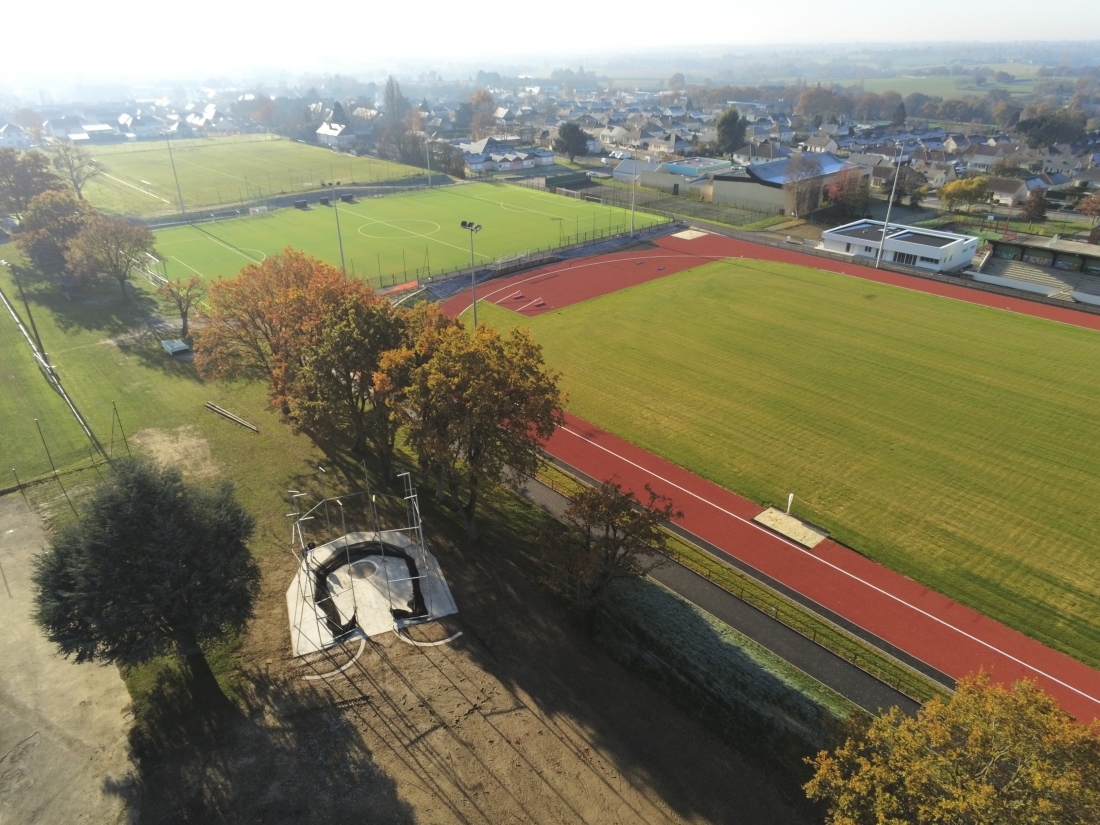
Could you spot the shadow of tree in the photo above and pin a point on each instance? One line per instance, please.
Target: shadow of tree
(286, 754)
(434, 707)
(97, 306)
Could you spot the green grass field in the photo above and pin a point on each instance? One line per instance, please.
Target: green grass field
(105, 353)
(954, 443)
(225, 171)
(391, 239)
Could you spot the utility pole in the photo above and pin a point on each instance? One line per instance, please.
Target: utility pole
(473, 228)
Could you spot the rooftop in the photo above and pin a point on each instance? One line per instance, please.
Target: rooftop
(871, 231)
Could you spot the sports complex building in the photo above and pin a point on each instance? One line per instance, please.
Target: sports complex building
(909, 245)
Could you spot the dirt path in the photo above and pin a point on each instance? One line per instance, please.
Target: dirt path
(63, 728)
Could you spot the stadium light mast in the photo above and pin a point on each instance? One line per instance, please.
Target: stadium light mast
(633, 188)
(172, 160)
(473, 228)
(339, 237)
(428, 158)
(889, 205)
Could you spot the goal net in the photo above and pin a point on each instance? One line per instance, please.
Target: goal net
(257, 210)
(569, 193)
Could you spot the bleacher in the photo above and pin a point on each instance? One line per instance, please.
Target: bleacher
(1056, 279)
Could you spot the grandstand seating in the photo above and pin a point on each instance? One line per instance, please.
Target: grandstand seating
(1060, 282)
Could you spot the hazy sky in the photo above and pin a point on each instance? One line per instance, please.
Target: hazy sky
(69, 39)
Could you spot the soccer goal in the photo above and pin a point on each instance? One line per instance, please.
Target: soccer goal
(570, 193)
(257, 210)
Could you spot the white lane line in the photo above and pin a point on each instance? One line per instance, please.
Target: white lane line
(595, 263)
(174, 258)
(839, 569)
(417, 234)
(138, 188)
(232, 249)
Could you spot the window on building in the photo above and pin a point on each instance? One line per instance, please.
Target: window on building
(929, 260)
(905, 258)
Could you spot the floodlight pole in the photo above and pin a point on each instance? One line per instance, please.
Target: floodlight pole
(179, 192)
(339, 237)
(889, 206)
(428, 158)
(633, 188)
(471, 227)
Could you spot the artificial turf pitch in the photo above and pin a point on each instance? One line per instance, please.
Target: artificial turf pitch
(138, 178)
(395, 238)
(954, 443)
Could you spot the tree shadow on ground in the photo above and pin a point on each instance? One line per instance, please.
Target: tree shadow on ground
(285, 754)
(463, 713)
(96, 305)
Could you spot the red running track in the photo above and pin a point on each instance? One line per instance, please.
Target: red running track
(926, 624)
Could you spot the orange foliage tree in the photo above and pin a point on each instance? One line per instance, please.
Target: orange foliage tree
(990, 755)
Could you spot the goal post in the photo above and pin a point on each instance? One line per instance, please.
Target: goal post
(257, 210)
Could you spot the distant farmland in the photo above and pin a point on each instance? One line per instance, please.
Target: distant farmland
(214, 172)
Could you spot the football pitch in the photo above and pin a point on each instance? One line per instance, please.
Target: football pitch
(138, 179)
(395, 238)
(954, 443)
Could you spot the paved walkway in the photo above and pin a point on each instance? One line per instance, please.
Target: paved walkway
(849, 681)
(64, 755)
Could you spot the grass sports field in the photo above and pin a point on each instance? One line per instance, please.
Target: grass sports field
(224, 171)
(955, 443)
(396, 236)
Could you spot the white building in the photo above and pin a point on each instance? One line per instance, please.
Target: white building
(14, 137)
(336, 135)
(910, 245)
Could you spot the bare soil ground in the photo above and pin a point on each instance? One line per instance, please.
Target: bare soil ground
(63, 726)
(519, 720)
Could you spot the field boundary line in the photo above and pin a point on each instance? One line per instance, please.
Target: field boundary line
(138, 188)
(54, 380)
(839, 569)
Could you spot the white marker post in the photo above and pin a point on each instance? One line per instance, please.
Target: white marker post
(790, 501)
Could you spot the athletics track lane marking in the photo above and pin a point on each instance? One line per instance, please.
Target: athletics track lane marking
(839, 569)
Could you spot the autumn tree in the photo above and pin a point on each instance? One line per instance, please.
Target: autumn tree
(49, 224)
(110, 246)
(254, 322)
(75, 165)
(677, 81)
(612, 536)
(802, 184)
(482, 108)
(571, 141)
(23, 176)
(731, 131)
(182, 294)
(330, 388)
(1090, 206)
(990, 755)
(1036, 205)
(480, 406)
(152, 565)
(967, 191)
(849, 191)
(420, 328)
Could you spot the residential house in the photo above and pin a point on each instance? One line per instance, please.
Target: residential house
(336, 135)
(14, 137)
(627, 170)
(765, 152)
(822, 143)
(1013, 191)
